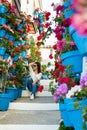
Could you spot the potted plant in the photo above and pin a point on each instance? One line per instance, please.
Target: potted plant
(4, 97)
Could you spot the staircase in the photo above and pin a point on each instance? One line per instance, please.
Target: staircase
(39, 114)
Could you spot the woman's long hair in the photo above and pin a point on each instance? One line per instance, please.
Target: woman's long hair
(38, 66)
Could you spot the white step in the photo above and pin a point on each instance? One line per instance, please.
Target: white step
(45, 83)
(28, 127)
(33, 106)
(26, 93)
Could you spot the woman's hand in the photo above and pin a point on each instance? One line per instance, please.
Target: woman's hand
(33, 83)
(32, 63)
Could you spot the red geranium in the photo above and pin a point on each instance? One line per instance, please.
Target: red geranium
(55, 47)
(41, 87)
(61, 68)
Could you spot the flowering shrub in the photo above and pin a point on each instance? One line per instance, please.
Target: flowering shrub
(15, 41)
(3, 74)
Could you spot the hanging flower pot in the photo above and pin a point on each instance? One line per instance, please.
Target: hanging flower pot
(68, 12)
(3, 9)
(67, 3)
(15, 58)
(6, 56)
(2, 51)
(17, 43)
(2, 21)
(81, 41)
(20, 26)
(11, 38)
(22, 42)
(2, 33)
(75, 114)
(73, 58)
(23, 54)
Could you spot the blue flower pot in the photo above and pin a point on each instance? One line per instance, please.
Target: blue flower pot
(2, 33)
(7, 35)
(45, 76)
(13, 92)
(75, 114)
(15, 58)
(11, 38)
(22, 42)
(81, 41)
(20, 26)
(17, 43)
(6, 56)
(2, 21)
(67, 3)
(2, 51)
(3, 9)
(4, 101)
(23, 54)
(23, 35)
(19, 92)
(68, 13)
(73, 58)
(64, 114)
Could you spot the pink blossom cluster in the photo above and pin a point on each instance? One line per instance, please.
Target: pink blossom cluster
(83, 81)
(60, 91)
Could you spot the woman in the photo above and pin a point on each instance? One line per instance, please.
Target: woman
(35, 76)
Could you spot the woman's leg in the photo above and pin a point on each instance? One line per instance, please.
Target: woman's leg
(35, 88)
(29, 84)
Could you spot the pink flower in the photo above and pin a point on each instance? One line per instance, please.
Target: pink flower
(61, 45)
(67, 22)
(83, 81)
(72, 43)
(79, 21)
(59, 9)
(59, 30)
(7, 27)
(63, 88)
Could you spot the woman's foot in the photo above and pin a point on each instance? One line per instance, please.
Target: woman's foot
(32, 96)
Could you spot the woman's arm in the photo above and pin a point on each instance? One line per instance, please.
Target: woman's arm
(38, 78)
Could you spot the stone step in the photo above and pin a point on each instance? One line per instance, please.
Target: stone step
(41, 99)
(39, 103)
(33, 106)
(28, 127)
(30, 117)
(33, 120)
(26, 93)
